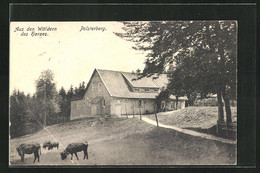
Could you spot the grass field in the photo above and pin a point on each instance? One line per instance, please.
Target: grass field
(192, 117)
(120, 141)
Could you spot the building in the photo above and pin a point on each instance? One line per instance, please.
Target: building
(120, 93)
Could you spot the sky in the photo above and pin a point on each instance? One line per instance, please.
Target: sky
(72, 51)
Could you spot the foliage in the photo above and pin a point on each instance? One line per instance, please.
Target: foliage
(79, 92)
(163, 96)
(21, 118)
(45, 107)
(201, 55)
(48, 97)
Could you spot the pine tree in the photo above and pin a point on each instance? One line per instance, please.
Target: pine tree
(63, 104)
(48, 97)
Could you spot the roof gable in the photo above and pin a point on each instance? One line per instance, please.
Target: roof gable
(90, 81)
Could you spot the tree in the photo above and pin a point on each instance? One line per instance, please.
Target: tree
(163, 96)
(63, 103)
(70, 95)
(18, 115)
(82, 89)
(203, 54)
(47, 96)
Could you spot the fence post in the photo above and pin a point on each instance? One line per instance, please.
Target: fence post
(155, 114)
(140, 113)
(126, 111)
(133, 110)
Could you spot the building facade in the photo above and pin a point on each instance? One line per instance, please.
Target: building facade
(121, 93)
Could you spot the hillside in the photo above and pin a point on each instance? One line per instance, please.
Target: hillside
(120, 141)
(192, 117)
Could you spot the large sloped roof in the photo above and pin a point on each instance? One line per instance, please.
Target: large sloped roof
(116, 83)
(151, 82)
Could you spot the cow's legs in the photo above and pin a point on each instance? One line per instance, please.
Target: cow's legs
(38, 156)
(35, 156)
(85, 154)
(71, 156)
(76, 155)
(22, 157)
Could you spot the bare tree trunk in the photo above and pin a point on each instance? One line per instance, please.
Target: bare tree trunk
(227, 107)
(220, 107)
(177, 100)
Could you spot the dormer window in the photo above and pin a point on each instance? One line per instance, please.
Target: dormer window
(136, 89)
(99, 87)
(146, 89)
(156, 89)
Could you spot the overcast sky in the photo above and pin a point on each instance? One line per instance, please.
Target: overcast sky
(70, 53)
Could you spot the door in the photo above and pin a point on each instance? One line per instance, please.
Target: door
(118, 109)
(93, 110)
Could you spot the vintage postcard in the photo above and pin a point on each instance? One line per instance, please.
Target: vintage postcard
(123, 93)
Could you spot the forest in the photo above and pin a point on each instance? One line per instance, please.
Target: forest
(47, 106)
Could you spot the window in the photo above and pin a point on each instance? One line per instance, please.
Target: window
(103, 103)
(136, 89)
(140, 103)
(146, 89)
(163, 104)
(156, 89)
(93, 87)
(99, 86)
(118, 101)
(172, 105)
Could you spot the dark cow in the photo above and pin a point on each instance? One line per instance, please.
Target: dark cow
(74, 148)
(29, 149)
(53, 144)
(50, 145)
(46, 144)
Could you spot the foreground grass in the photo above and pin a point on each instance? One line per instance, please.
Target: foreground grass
(118, 141)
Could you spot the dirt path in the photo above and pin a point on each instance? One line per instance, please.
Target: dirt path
(190, 132)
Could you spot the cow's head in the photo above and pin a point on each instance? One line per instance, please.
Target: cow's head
(19, 151)
(46, 144)
(64, 155)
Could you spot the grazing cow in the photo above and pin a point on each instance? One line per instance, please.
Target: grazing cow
(46, 144)
(74, 148)
(52, 145)
(29, 149)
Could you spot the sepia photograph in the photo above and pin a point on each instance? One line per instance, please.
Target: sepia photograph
(123, 93)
